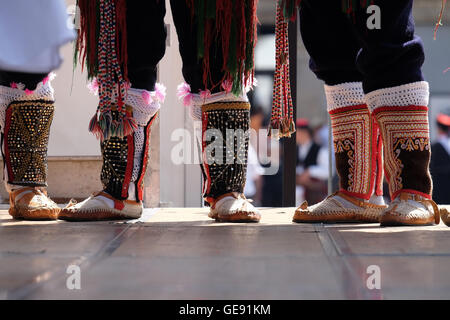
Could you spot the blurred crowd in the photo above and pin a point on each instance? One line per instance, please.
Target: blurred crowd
(265, 186)
(440, 159)
(313, 158)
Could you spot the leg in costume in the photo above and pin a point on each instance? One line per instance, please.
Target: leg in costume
(125, 156)
(397, 95)
(219, 103)
(333, 48)
(26, 113)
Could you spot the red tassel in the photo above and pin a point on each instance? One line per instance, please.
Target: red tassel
(190, 4)
(239, 10)
(282, 109)
(241, 13)
(121, 36)
(252, 35)
(86, 43)
(224, 12)
(206, 59)
(129, 126)
(94, 127)
(439, 23)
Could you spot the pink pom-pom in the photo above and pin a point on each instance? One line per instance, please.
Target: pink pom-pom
(13, 85)
(50, 77)
(187, 100)
(205, 94)
(28, 92)
(93, 86)
(183, 89)
(184, 93)
(227, 86)
(160, 92)
(147, 97)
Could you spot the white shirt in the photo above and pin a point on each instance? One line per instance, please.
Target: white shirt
(319, 170)
(444, 140)
(31, 34)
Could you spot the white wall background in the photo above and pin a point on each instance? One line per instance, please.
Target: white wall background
(74, 108)
(180, 184)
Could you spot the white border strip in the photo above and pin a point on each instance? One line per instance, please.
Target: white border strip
(411, 94)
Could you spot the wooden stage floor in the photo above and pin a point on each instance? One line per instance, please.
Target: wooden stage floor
(182, 254)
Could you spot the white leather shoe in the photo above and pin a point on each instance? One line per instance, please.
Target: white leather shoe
(32, 203)
(101, 206)
(411, 210)
(234, 207)
(333, 210)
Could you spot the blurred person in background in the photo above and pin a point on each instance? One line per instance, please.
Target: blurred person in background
(322, 135)
(312, 166)
(440, 160)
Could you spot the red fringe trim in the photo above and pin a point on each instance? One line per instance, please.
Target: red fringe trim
(121, 36)
(86, 43)
(219, 30)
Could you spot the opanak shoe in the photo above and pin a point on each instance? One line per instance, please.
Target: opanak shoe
(32, 204)
(445, 216)
(411, 210)
(101, 206)
(234, 207)
(339, 207)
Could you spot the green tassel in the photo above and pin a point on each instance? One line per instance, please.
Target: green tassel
(75, 50)
(232, 63)
(232, 58)
(249, 56)
(236, 89)
(200, 13)
(289, 8)
(211, 9)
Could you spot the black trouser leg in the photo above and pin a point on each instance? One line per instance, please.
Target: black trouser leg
(192, 66)
(330, 42)
(30, 80)
(146, 39)
(344, 49)
(392, 55)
